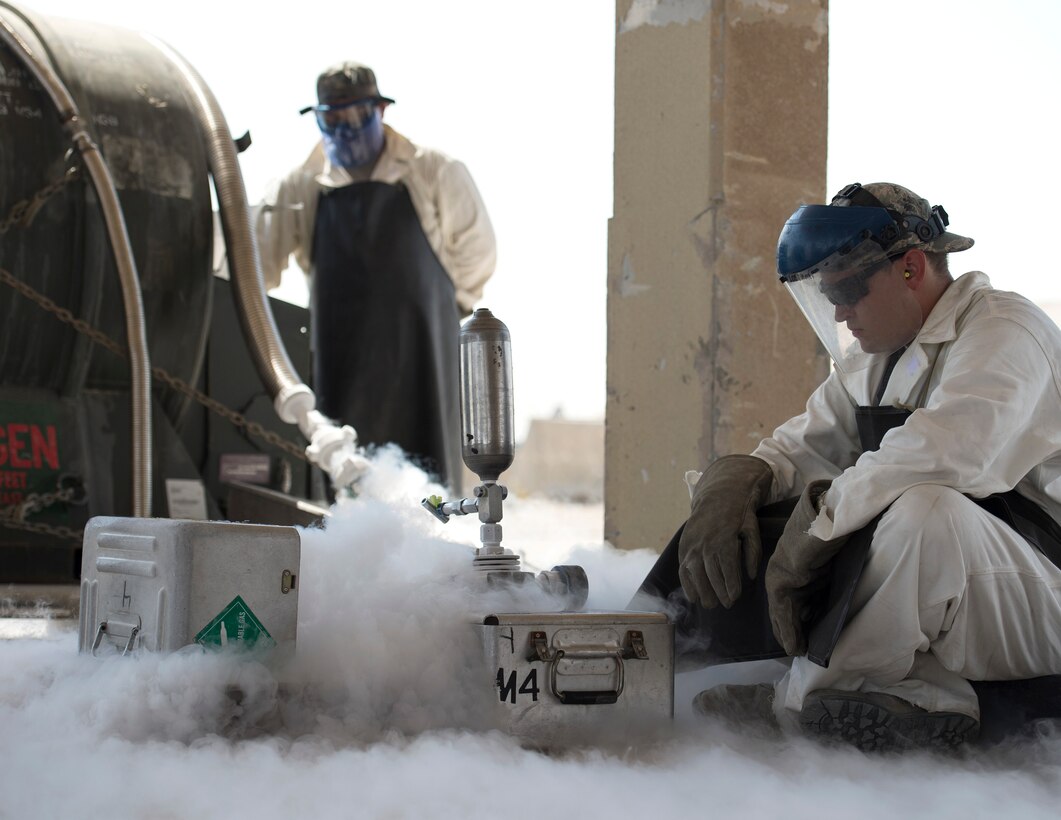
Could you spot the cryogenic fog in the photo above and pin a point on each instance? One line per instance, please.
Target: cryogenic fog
(379, 713)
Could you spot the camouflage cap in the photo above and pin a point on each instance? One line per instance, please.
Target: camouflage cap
(905, 202)
(345, 83)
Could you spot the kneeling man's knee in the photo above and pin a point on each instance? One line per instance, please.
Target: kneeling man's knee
(923, 524)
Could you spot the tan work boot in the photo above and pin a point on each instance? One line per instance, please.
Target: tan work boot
(738, 704)
(874, 721)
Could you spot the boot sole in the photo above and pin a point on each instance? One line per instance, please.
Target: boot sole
(872, 727)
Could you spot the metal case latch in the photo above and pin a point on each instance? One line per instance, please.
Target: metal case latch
(540, 651)
(104, 629)
(633, 648)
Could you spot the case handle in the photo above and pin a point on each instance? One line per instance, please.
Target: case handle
(633, 648)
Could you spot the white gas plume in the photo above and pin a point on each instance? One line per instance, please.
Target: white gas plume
(380, 712)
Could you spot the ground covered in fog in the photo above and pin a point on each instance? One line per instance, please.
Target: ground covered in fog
(376, 715)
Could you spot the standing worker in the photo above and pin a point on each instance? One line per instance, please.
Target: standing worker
(398, 245)
(927, 464)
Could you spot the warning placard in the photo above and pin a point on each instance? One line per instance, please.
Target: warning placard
(235, 625)
(29, 450)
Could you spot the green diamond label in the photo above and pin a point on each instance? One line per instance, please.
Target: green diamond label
(236, 625)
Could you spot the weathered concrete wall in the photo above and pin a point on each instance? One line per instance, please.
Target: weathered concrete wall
(720, 133)
(561, 459)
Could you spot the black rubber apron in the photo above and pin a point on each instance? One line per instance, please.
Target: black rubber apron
(385, 327)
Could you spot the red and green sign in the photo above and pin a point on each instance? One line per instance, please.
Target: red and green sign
(29, 450)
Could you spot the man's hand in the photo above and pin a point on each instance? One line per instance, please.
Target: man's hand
(721, 537)
(799, 560)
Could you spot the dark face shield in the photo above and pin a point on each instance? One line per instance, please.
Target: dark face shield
(850, 290)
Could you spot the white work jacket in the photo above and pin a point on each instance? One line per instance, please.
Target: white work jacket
(982, 380)
(444, 196)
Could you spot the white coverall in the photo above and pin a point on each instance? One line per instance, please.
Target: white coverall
(949, 592)
(444, 196)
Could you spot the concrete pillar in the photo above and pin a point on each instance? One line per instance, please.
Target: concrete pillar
(720, 133)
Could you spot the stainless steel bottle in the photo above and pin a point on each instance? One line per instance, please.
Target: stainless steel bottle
(487, 421)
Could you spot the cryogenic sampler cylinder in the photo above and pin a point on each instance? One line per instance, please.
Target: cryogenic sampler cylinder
(487, 420)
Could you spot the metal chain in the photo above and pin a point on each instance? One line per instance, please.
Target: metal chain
(238, 419)
(13, 516)
(100, 338)
(35, 502)
(61, 313)
(25, 210)
(57, 531)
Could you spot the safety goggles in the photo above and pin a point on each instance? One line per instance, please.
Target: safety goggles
(356, 115)
(850, 290)
(859, 261)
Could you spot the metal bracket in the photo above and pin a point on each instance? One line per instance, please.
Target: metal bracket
(634, 648)
(102, 629)
(540, 651)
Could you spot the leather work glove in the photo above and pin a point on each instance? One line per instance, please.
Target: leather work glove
(722, 534)
(799, 560)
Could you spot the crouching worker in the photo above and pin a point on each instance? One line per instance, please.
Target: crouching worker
(899, 538)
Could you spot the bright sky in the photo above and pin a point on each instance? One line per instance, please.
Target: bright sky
(953, 98)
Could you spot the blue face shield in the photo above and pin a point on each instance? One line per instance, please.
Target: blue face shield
(353, 136)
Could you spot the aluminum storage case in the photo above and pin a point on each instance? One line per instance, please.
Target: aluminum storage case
(562, 679)
(161, 584)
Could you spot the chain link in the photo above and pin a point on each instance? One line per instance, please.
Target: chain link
(24, 211)
(13, 516)
(35, 502)
(160, 374)
(57, 531)
(237, 418)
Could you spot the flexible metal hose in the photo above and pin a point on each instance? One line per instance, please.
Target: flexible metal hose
(331, 446)
(259, 326)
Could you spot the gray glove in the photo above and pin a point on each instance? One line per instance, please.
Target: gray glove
(722, 533)
(798, 561)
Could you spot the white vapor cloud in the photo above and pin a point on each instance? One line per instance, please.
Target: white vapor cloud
(381, 713)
